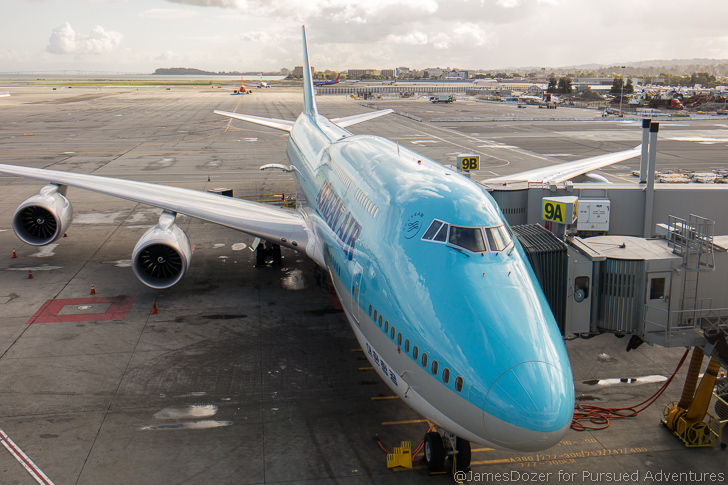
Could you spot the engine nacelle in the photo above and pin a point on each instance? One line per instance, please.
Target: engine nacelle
(43, 218)
(162, 255)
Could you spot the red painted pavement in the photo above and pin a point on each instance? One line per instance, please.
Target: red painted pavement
(49, 312)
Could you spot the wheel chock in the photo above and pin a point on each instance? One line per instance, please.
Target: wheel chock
(400, 456)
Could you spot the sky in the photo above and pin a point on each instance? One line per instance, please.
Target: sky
(138, 36)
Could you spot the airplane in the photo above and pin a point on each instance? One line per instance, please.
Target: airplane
(435, 286)
(263, 84)
(243, 88)
(327, 83)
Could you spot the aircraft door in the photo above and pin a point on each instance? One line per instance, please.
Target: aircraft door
(356, 291)
(657, 297)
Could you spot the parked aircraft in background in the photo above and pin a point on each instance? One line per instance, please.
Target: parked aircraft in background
(435, 286)
(327, 83)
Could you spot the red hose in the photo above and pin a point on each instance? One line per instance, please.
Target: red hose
(600, 416)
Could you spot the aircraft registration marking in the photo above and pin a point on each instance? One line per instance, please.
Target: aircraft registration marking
(380, 362)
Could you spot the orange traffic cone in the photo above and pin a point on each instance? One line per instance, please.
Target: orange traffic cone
(154, 309)
(208, 178)
(93, 290)
(65, 234)
(14, 255)
(30, 274)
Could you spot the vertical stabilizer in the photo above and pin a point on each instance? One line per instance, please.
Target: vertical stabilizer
(309, 100)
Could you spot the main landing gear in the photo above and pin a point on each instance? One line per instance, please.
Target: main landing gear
(268, 252)
(438, 448)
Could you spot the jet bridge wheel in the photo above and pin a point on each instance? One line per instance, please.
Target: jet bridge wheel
(434, 452)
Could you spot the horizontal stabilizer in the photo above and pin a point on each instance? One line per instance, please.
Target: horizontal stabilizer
(565, 171)
(283, 125)
(352, 120)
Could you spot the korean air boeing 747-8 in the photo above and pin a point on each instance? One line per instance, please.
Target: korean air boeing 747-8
(433, 282)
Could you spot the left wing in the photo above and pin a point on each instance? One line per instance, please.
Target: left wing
(285, 227)
(565, 171)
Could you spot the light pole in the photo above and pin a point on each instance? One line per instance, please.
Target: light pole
(621, 95)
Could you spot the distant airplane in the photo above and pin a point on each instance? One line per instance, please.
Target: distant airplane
(263, 84)
(327, 83)
(435, 286)
(243, 88)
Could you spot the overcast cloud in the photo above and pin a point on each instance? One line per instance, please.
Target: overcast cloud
(225, 35)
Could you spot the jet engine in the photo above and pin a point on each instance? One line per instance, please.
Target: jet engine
(43, 218)
(162, 255)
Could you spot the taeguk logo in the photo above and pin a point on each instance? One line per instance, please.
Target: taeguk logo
(413, 225)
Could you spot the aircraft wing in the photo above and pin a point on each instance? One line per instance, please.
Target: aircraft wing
(354, 119)
(277, 225)
(283, 125)
(565, 171)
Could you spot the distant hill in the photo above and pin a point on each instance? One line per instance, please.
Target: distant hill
(187, 71)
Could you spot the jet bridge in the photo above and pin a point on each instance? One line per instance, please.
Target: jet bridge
(668, 291)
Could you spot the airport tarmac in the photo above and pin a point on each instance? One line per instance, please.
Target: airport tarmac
(251, 375)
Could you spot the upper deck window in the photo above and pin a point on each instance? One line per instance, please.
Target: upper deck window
(473, 239)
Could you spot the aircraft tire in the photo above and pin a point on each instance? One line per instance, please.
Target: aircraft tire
(463, 456)
(434, 452)
(260, 255)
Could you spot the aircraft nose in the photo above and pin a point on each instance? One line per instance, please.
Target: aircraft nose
(529, 405)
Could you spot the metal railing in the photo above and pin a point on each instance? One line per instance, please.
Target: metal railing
(683, 327)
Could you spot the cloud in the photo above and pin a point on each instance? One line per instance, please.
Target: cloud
(208, 3)
(169, 13)
(64, 40)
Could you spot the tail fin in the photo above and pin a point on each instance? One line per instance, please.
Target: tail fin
(309, 100)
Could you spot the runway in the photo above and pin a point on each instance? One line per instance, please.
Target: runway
(251, 375)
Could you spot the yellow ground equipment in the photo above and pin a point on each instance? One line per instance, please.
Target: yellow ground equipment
(400, 456)
(686, 419)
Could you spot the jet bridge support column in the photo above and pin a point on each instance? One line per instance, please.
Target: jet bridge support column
(645, 147)
(648, 229)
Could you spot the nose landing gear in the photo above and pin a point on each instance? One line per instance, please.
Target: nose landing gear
(438, 448)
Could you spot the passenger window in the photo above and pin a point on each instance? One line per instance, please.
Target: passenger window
(370, 310)
(445, 375)
(380, 321)
(406, 346)
(432, 230)
(392, 332)
(459, 384)
(386, 326)
(375, 315)
(399, 339)
(470, 238)
(434, 367)
(424, 359)
(415, 352)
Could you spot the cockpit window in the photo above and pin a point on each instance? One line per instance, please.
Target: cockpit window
(442, 234)
(470, 238)
(473, 239)
(498, 238)
(432, 230)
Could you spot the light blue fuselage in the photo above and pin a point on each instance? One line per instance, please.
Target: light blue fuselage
(480, 315)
